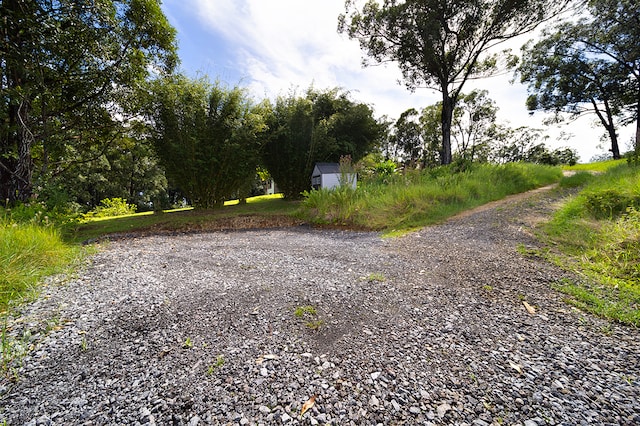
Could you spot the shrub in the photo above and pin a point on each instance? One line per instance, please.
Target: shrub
(609, 203)
(111, 207)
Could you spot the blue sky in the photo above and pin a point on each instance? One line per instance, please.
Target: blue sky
(274, 46)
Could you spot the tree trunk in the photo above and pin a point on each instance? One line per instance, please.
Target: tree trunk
(447, 117)
(615, 148)
(21, 182)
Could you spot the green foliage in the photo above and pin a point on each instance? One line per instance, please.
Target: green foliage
(206, 138)
(576, 180)
(70, 70)
(598, 234)
(420, 198)
(439, 44)
(585, 66)
(322, 126)
(111, 207)
(28, 252)
(310, 315)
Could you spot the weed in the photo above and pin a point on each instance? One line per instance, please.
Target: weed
(302, 311)
(315, 324)
(310, 314)
(217, 364)
(83, 344)
(487, 287)
(376, 277)
(188, 343)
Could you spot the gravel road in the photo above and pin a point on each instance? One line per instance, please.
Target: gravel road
(244, 327)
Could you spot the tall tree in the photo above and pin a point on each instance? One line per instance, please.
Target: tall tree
(564, 78)
(206, 137)
(66, 70)
(441, 44)
(320, 126)
(613, 32)
(408, 137)
(473, 120)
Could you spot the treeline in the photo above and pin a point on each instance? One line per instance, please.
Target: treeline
(91, 108)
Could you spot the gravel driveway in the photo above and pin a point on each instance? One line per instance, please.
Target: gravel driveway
(430, 328)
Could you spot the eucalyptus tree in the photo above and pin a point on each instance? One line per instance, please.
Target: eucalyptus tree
(473, 122)
(589, 66)
(68, 69)
(441, 44)
(408, 137)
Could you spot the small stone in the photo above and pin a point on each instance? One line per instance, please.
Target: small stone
(414, 410)
(479, 422)
(195, 420)
(373, 401)
(285, 418)
(530, 423)
(375, 375)
(264, 409)
(264, 372)
(442, 409)
(395, 405)
(244, 421)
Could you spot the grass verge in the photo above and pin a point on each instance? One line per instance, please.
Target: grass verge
(256, 212)
(597, 234)
(29, 252)
(417, 199)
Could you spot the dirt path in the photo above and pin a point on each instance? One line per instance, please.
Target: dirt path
(429, 328)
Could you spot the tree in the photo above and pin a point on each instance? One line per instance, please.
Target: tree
(321, 126)
(67, 71)
(408, 137)
(206, 137)
(563, 78)
(441, 44)
(431, 124)
(473, 119)
(613, 33)
(589, 66)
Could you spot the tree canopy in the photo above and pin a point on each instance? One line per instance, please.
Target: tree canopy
(320, 126)
(441, 44)
(206, 137)
(67, 72)
(588, 66)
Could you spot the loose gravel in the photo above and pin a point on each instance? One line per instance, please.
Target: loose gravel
(245, 327)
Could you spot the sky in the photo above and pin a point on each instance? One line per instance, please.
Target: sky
(274, 46)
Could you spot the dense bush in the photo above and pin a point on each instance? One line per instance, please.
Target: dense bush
(112, 207)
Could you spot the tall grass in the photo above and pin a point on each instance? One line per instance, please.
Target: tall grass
(29, 252)
(598, 234)
(420, 198)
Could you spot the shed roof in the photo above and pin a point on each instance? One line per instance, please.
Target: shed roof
(327, 168)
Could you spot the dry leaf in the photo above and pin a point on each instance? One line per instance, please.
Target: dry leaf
(515, 366)
(307, 405)
(529, 308)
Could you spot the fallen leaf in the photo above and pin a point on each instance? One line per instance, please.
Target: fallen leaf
(529, 308)
(307, 405)
(515, 366)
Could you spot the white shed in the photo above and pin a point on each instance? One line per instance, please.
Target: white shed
(327, 175)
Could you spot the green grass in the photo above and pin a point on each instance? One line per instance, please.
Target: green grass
(600, 166)
(181, 220)
(597, 234)
(29, 252)
(418, 199)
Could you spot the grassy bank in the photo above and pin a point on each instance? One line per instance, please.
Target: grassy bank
(417, 199)
(29, 252)
(597, 234)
